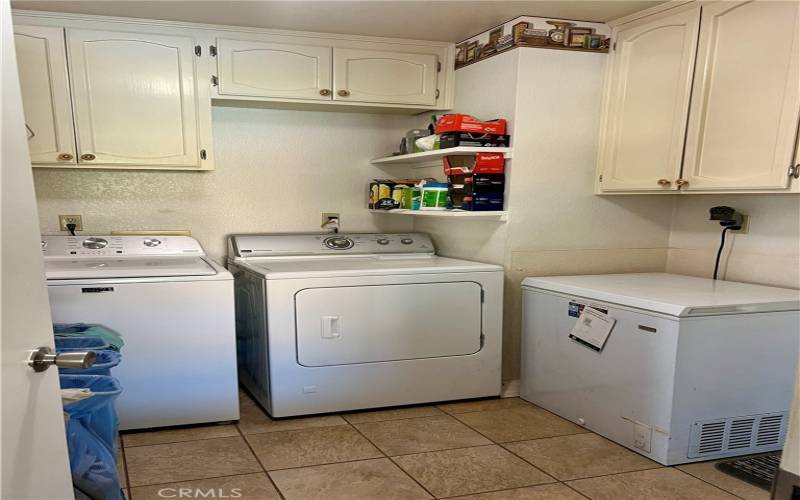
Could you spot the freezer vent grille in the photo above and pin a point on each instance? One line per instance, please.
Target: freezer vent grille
(737, 435)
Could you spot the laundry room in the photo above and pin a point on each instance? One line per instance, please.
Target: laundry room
(312, 250)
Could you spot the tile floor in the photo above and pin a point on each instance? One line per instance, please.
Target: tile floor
(494, 449)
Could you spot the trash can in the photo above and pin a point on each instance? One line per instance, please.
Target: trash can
(66, 344)
(89, 330)
(105, 361)
(92, 435)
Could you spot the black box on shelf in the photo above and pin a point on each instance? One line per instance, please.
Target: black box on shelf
(455, 139)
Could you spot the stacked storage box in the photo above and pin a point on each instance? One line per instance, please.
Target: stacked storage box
(476, 181)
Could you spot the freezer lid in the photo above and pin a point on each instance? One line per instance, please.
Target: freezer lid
(102, 268)
(365, 266)
(672, 294)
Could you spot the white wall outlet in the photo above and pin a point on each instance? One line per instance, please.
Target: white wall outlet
(326, 216)
(642, 436)
(63, 220)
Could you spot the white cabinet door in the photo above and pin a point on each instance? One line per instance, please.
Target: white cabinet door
(384, 77)
(746, 101)
(134, 97)
(268, 69)
(646, 102)
(42, 61)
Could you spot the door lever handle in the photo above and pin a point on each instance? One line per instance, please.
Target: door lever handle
(43, 358)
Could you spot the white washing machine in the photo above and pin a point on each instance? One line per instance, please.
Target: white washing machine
(174, 309)
(693, 369)
(330, 323)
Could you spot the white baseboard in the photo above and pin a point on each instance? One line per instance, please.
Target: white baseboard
(510, 389)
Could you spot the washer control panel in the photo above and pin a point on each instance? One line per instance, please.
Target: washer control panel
(117, 246)
(262, 245)
(339, 242)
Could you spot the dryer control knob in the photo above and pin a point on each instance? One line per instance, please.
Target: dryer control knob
(152, 242)
(338, 243)
(383, 241)
(95, 243)
(406, 241)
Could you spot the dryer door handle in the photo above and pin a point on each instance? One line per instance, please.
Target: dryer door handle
(331, 327)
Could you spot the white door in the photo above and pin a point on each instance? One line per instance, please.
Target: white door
(34, 457)
(42, 62)
(746, 97)
(369, 324)
(385, 77)
(268, 69)
(647, 102)
(134, 97)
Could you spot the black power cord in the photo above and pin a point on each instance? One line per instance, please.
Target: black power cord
(71, 228)
(719, 252)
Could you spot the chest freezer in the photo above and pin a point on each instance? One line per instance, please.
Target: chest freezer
(692, 369)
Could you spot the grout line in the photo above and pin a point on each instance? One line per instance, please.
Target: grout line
(440, 414)
(125, 467)
(708, 482)
(575, 490)
(182, 440)
(250, 447)
(195, 479)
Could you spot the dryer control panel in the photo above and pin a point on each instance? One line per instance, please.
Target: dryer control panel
(264, 245)
(117, 246)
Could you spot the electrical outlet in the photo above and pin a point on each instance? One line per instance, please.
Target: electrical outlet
(326, 216)
(745, 225)
(63, 220)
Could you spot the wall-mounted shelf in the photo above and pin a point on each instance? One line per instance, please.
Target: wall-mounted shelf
(501, 216)
(429, 156)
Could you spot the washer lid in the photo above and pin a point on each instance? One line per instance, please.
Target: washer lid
(365, 266)
(672, 294)
(102, 268)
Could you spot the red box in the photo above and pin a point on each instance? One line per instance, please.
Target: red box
(478, 163)
(467, 123)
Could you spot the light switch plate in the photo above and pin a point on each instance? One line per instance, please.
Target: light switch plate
(63, 220)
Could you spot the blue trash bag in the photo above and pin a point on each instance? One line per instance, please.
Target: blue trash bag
(96, 413)
(66, 344)
(89, 330)
(106, 360)
(92, 464)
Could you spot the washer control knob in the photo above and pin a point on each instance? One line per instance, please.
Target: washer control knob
(151, 242)
(383, 241)
(406, 241)
(95, 243)
(338, 243)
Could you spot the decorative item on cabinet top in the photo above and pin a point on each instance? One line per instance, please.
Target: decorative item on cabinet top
(526, 31)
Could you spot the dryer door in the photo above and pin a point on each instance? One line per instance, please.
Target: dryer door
(368, 324)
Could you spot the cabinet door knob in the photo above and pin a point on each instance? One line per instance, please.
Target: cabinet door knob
(325, 92)
(682, 182)
(664, 182)
(344, 93)
(88, 157)
(65, 157)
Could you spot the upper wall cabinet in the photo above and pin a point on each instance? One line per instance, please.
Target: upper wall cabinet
(384, 77)
(42, 61)
(740, 131)
(270, 69)
(746, 98)
(647, 102)
(134, 96)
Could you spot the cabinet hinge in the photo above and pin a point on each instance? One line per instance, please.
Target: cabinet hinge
(438, 66)
(601, 177)
(794, 171)
(198, 51)
(437, 93)
(614, 46)
(212, 50)
(203, 154)
(214, 80)
(483, 295)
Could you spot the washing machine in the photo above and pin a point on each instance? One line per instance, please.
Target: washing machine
(338, 322)
(173, 307)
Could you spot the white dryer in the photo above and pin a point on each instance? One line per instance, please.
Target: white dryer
(331, 323)
(174, 309)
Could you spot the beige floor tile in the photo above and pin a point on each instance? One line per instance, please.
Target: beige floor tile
(193, 433)
(392, 414)
(579, 456)
(654, 484)
(483, 405)
(282, 450)
(253, 420)
(169, 463)
(416, 435)
(367, 479)
(245, 487)
(518, 424)
(542, 492)
(709, 473)
(470, 470)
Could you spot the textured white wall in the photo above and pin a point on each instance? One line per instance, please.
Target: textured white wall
(768, 254)
(276, 172)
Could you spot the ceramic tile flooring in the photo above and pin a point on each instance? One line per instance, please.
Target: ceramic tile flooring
(496, 449)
